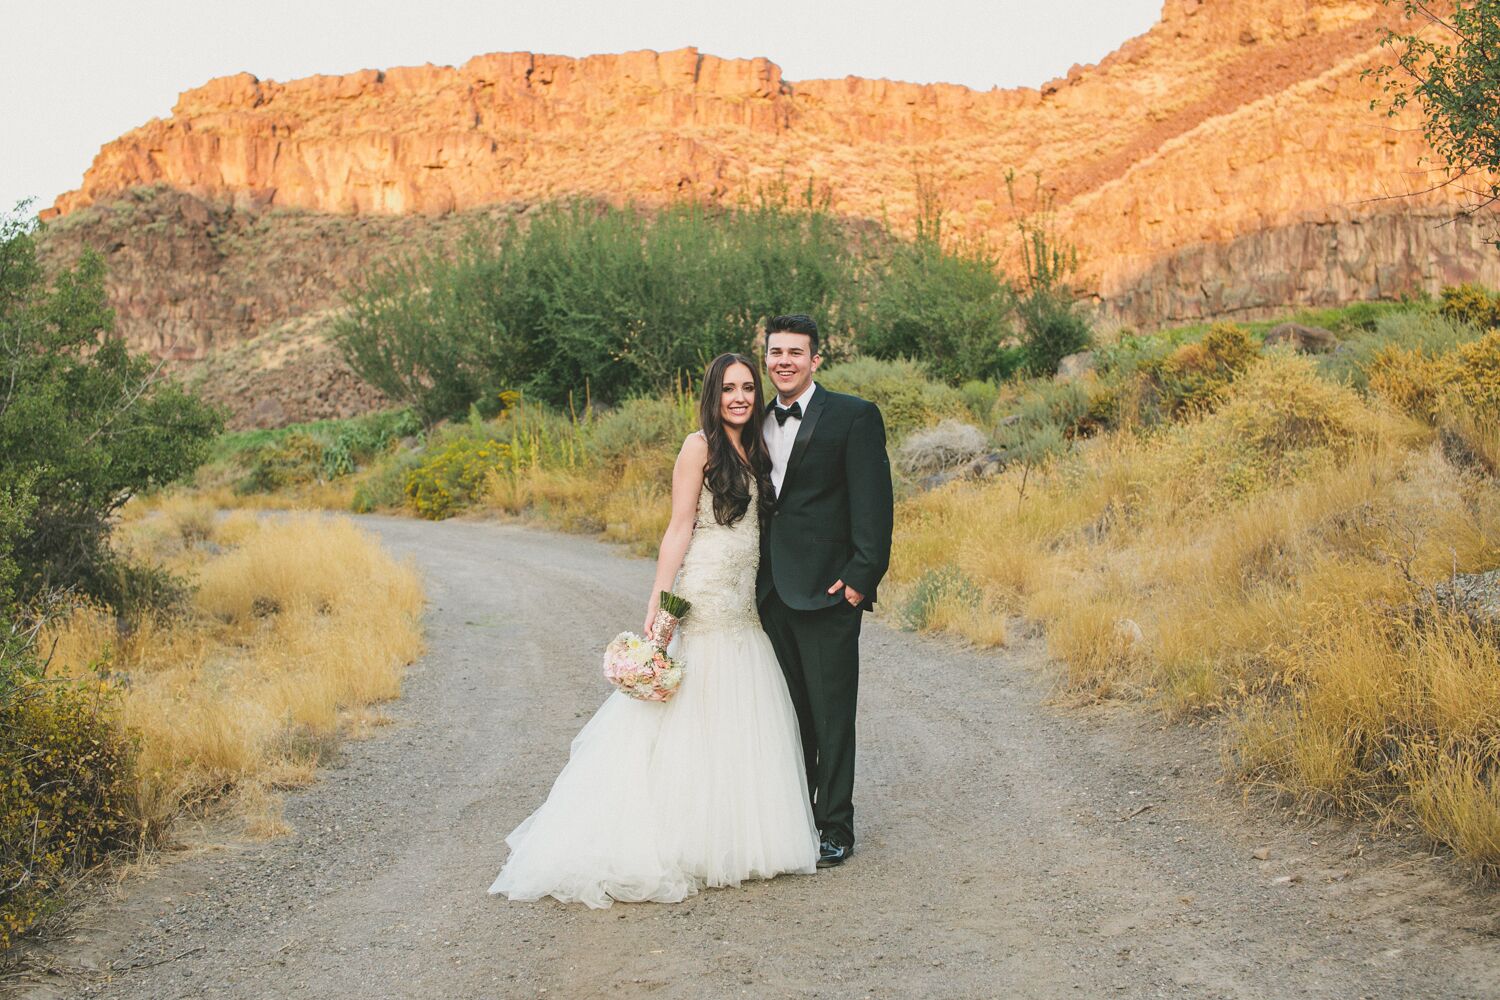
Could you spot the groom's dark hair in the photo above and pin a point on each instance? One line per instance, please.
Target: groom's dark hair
(794, 323)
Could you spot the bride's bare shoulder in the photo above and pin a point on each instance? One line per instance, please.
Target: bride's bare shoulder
(694, 451)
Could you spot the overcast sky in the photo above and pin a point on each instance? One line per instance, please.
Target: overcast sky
(77, 73)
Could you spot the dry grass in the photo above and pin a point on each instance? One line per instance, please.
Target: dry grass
(1232, 563)
(630, 504)
(1398, 712)
(294, 625)
(1470, 438)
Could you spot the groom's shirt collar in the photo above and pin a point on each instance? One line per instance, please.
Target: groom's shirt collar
(780, 437)
(807, 395)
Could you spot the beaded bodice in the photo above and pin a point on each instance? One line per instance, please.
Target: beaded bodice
(718, 571)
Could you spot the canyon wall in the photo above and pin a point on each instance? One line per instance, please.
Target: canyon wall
(1224, 163)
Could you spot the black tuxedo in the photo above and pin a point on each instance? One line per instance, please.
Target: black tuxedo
(832, 521)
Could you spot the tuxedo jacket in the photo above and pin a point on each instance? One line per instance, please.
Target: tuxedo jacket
(833, 513)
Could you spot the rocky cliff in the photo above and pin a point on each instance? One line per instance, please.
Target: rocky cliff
(1226, 162)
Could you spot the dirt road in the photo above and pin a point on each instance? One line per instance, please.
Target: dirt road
(1008, 848)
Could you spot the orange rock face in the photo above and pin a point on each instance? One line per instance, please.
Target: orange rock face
(1224, 162)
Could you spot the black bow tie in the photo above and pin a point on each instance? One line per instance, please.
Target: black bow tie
(794, 411)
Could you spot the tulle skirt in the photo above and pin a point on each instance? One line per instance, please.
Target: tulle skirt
(660, 799)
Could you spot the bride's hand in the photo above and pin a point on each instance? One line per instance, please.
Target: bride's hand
(651, 607)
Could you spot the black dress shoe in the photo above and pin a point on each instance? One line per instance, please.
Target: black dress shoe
(832, 854)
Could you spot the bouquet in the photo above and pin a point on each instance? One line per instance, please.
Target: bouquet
(639, 665)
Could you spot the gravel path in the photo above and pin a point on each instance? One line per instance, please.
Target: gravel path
(1008, 848)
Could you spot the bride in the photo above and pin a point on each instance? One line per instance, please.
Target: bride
(709, 788)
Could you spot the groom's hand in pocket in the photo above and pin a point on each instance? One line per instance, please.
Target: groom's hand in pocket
(854, 597)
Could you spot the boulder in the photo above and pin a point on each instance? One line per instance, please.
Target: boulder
(949, 445)
(1303, 339)
(1476, 595)
(986, 465)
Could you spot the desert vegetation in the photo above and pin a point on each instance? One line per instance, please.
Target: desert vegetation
(1277, 536)
(153, 659)
(585, 303)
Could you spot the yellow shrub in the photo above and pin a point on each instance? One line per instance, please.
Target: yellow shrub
(1279, 421)
(455, 477)
(1192, 378)
(1472, 304)
(1472, 373)
(65, 787)
(1407, 379)
(1422, 385)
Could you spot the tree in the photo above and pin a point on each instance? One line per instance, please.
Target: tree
(1450, 66)
(1052, 323)
(84, 423)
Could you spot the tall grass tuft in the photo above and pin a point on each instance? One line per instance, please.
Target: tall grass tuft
(294, 624)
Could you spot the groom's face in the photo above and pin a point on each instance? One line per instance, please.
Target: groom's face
(790, 362)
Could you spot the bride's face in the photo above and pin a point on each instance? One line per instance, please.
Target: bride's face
(737, 399)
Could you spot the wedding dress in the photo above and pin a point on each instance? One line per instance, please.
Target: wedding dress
(660, 799)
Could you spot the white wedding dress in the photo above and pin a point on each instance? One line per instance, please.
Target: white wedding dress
(660, 799)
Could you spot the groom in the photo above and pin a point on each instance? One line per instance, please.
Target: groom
(823, 552)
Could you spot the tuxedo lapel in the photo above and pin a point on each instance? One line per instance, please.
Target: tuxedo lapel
(809, 423)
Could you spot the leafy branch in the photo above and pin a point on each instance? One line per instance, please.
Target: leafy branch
(1449, 66)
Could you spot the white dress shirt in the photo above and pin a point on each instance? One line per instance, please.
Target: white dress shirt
(781, 437)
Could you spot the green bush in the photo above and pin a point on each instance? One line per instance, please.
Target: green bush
(1052, 327)
(933, 589)
(290, 460)
(317, 451)
(1420, 330)
(17, 502)
(980, 398)
(906, 397)
(951, 312)
(614, 302)
(385, 487)
(642, 426)
(351, 443)
(85, 422)
(66, 782)
(1348, 320)
(1046, 417)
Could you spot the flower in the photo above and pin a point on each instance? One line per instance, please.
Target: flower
(640, 668)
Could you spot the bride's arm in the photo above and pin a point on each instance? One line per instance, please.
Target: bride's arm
(687, 483)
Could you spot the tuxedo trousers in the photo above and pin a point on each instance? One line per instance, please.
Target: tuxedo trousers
(819, 655)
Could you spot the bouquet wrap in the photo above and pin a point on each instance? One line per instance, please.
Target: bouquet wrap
(669, 615)
(640, 666)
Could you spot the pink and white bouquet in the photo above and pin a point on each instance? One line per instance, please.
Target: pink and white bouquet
(640, 666)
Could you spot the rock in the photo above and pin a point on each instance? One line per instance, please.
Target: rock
(268, 412)
(1075, 366)
(1247, 182)
(1304, 339)
(1474, 595)
(947, 446)
(989, 465)
(983, 467)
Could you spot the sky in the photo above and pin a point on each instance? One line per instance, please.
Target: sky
(78, 73)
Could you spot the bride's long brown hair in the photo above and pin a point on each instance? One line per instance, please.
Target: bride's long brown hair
(727, 475)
